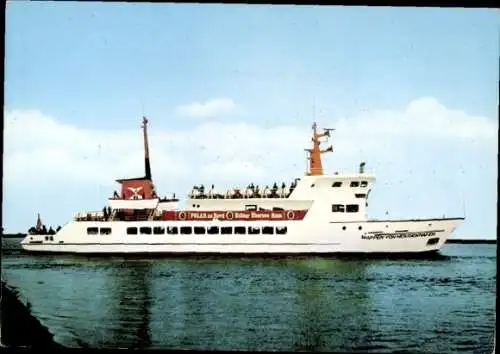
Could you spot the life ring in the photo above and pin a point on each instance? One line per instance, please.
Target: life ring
(290, 215)
(229, 215)
(182, 215)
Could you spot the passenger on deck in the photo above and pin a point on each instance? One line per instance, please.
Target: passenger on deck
(51, 231)
(105, 213)
(257, 192)
(116, 195)
(44, 230)
(58, 228)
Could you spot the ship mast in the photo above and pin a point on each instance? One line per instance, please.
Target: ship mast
(315, 164)
(146, 148)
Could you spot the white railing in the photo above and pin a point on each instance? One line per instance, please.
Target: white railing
(89, 216)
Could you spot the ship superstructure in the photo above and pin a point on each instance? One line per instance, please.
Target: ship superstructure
(314, 214)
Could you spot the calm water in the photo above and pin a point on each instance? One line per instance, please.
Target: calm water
(314, 304)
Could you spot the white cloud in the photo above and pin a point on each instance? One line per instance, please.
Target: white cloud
(213, 108)
(424, 117)
(424, 146)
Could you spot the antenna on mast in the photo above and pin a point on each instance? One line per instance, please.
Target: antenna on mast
(315, 164)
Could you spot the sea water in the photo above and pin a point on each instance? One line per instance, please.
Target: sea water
(443, 305)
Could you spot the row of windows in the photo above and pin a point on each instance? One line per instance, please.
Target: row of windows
(212, 230)
(197, 230)
(349, 208)
(354, 184)
(95, 230)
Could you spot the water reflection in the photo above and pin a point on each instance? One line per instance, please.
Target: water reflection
(333, 305)
(130, 299)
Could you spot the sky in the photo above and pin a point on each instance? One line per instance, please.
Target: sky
(231, 92)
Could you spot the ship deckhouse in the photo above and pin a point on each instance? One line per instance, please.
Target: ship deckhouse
(138, 198)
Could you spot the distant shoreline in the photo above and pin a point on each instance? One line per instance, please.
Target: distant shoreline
(461, 241)
(472, 241)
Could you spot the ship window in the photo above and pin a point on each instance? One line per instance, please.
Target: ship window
(213, 230)
(253, 230)
(337, 208)
(186, 230)
(240, 230)
(352, 208)
(281, 230)
(312, 185)
(337, 184)
(92, 230)
(131, 230)
(199, 230)
(268, 230)
(360, 195)
(226, 230)
(354, 184)
(172, 230)
(364, 184)
(343, 227)
(432, 241)
(251, 207)
(158, 230)
(145, 230)
(105, 231)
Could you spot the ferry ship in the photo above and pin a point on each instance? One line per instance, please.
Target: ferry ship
(317, 213)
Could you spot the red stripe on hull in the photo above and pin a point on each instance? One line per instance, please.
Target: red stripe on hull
(243, 215)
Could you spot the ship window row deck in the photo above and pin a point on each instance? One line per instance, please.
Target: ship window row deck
(197, 230)
(353, 184)
(341, 208)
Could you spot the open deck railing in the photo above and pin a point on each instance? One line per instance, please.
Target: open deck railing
(90, 216)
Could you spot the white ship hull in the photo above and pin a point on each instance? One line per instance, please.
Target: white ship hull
(405, 236)
(316, 214)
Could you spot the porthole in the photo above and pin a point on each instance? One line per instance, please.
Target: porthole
(343, 227)
(46, 238)
(194, 205)
(312, 185)
(360, 227)
(386, 226)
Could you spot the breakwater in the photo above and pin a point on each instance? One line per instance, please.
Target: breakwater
(19, 327)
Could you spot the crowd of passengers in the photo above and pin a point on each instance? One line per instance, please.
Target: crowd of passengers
(251, 191)
(43, 230)
(119, 215)
(142, 195)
